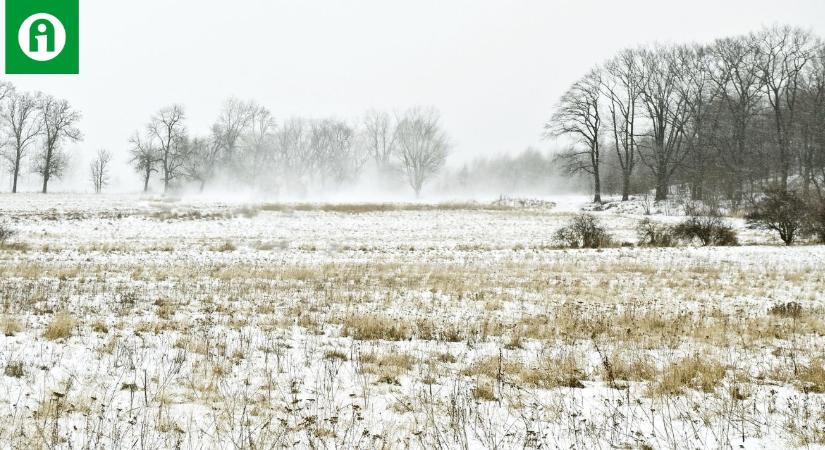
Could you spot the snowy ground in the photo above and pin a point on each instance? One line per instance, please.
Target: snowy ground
(132, 322)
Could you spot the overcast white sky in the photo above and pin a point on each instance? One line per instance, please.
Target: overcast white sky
(493, 68)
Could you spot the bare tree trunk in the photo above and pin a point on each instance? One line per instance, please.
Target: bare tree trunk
(16, 174)
(47, 169)
(625, 185)
(661, 186)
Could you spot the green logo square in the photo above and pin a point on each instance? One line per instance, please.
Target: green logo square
(42, 36)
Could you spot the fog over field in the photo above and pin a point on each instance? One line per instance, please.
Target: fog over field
(417, 225)
(493, 69)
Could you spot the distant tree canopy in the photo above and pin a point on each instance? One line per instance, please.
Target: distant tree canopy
(248, 147)
(723, 120)
(34, 128)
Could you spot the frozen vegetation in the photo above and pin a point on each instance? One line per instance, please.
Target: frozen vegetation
(139, 322)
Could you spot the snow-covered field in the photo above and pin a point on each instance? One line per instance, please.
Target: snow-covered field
(131, 322)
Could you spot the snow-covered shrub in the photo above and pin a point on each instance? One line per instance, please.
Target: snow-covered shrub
(709, 229)
(655, 234)
(583, 231)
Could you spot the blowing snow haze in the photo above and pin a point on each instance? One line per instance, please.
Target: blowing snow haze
(463, 224)
(493, 69)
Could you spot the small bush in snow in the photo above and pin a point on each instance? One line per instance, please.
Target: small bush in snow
(6, 232)
(709, 229)
(782, 211)
(655, 234)
(583, 231)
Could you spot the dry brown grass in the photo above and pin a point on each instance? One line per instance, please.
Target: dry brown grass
(10, 325)
(484, 391)
(364, 208)
(548, 373)
(629, 367)
(61, 326)
(388, 367)
(372, 327)
(811, 377)
(553, 372)
(698, 372)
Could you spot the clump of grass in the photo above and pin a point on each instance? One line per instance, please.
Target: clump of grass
(484, 391)
(388, 367)
(554, 372)
(336, 355)
(225, 247)
(374, 327)
(549, 373)
(100, 327)
(692, 372)
(626, 367)
(10, 326)
(14, 369)
(811, 378)
(61, 326)
(790, 309)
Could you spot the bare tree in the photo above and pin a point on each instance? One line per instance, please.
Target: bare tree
(578, 118)
(202, 158)
(6, 90)
(812, 126)
(699, 93)
(665, 106)
(167, 127)
(294, 150)
(380, 137)
(99, 170)
(338, 159)
(621, 84)
(423, 146)
(145, 159)
(59, 126)
(23, 125)
(737, 79)
(783, 54)
(233, 120)
(259, 145)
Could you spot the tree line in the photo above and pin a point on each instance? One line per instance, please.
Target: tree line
(247, 146)
(720, 121)
(34, 130)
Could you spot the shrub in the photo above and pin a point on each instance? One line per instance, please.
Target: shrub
(782, 211)
(6, 232)
(655, 234)
(583, 231)
(709, 228)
